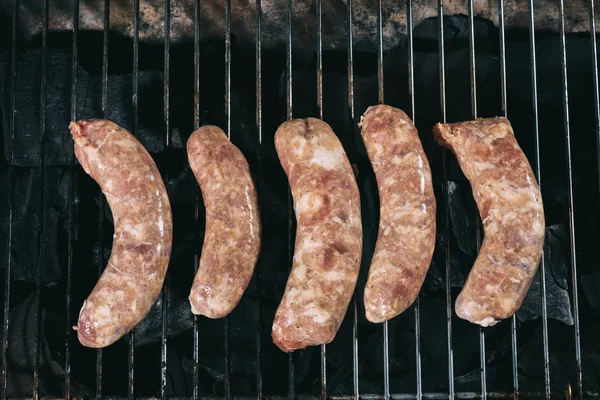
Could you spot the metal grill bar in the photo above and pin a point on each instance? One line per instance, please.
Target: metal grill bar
(288, 70)
(565, 95)
(473, 73)
(40, 242)
(473, 76)
(134, 104)
(350, 62)
(228, 132)
(502, 55)
(513, 319)
(381, 97)
(136, 63)
(195, 345)
(258, 56)
(366, 396)
(596, 89)
(533, 62)
(411, 91)
(71, 201)
(228, 66)
(319, 57)
(165, 289)
(104, 104)
(106, 25)
(228, 395)
(446, 206)
(320, 107)
(380, 53)
(11, 157)
(289, 103)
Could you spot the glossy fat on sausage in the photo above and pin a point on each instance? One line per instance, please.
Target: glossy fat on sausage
(406, 237)
(233, 230)
(328, 234)
(143, 225)
(510, 204)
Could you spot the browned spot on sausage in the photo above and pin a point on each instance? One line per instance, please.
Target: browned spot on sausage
(343, 216)
(329, 258)
(340, 248)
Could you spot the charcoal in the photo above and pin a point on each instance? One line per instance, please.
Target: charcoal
(591, 284)
(26, 223)
(58, 142)
(212, 17)
(21, 347)
(558, 303)
(250, 324)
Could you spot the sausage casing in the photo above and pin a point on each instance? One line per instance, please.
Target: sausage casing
(328, 235)
(143, 225)
(406, 237)
(510, 204)
(232, 236)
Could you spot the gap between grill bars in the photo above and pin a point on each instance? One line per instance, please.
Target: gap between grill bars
(419, 394)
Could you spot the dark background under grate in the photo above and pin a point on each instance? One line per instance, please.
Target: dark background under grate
(56, 228)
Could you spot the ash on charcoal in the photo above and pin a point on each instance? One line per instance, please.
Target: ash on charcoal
(212, 17)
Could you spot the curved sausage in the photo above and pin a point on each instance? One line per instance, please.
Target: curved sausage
(510, 205)
(232, 236)
(328, 234)
(141, 248)
(406, 237)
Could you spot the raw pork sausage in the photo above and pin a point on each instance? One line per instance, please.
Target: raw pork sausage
(328, 235)
(406, 236)
(141, 248)
(232, 236)
(510, 205)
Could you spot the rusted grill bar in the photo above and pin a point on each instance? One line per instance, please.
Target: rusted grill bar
(537, 168)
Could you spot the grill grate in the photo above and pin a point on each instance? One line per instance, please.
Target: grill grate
(418, 394)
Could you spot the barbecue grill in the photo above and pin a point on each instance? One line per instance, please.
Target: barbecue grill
(393, 361)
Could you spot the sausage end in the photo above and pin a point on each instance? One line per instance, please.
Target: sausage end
(475, 312)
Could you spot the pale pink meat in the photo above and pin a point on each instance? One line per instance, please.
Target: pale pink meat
(233, 230)
(406, 237)
(511, 209)
(328, 234)
(143, 224)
